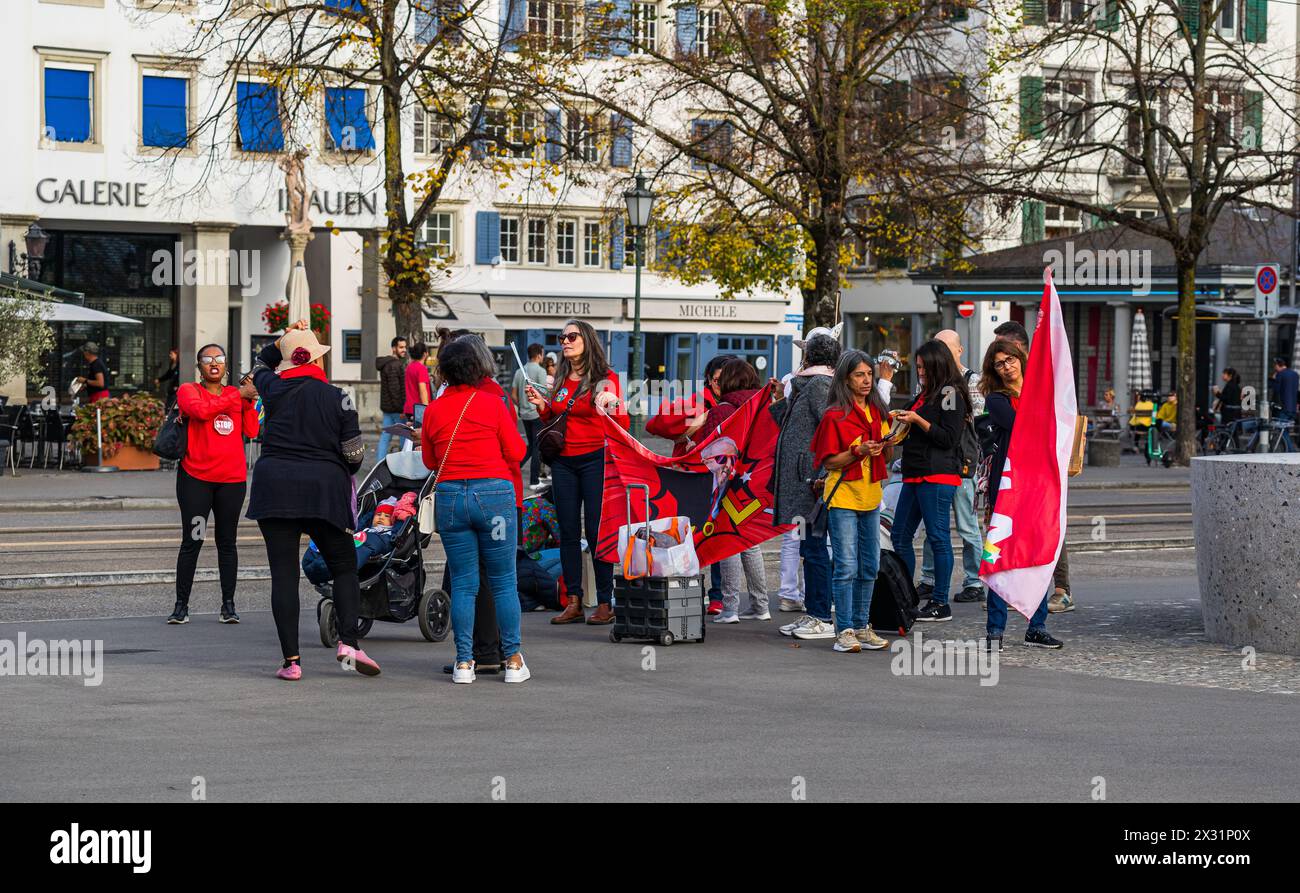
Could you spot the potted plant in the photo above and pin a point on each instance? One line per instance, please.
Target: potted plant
(129, 424)
(276, 317)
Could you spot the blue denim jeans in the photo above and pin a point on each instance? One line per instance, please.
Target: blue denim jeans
(972, 541)
(855, 561)
(997, 619)
(477, 519)
(931, 503)
(816, 575)
(390, 419)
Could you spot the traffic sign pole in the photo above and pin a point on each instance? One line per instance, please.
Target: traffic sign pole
(1266, 307)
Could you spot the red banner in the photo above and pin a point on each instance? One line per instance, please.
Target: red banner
(723, 485)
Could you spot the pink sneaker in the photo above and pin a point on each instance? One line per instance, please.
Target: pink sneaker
(291, 673)
(356, 659)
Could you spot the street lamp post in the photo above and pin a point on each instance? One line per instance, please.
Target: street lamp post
(35, 240)
(640, 202)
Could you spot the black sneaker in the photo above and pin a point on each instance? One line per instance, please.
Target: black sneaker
(180, 614)
(924, 590)
(228, 614)
(970, 594)
(1041, 638)
(933, 612)
(993, 643)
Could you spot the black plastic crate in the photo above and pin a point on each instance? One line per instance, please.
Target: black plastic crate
(665, 610)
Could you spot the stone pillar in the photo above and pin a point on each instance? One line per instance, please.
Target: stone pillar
(1222, 339)
(1120, 347)
(204, 307)
(373, 344)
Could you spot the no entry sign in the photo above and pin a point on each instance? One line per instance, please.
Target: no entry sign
(966, 309)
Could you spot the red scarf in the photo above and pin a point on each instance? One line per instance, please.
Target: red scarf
(307, 370)
(838, 430)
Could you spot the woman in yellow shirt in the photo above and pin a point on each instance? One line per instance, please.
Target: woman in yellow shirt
(849, 445)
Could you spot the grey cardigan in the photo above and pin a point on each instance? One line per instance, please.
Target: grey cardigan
(793, 469)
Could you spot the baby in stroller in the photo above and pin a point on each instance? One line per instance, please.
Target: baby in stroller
(373, 542)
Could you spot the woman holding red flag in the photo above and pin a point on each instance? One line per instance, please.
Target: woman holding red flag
(849, 445)
(1002, 380)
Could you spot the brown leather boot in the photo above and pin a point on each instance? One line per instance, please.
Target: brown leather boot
(603, 614)
(572, 613)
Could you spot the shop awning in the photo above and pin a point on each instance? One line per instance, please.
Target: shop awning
(53, 312)
(464, 310)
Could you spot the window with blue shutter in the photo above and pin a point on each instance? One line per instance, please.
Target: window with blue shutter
(513, 20)
(487, 237)
(554, 136)
(621, 32)
(620, 150)
(688, 18)
(257, 108)
(345, 5)
(164, 115)
(426, 23)
(69, 105)
(345, 116)
(597, 28)
(617, 243)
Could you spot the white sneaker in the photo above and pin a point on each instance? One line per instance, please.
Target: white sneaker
(790, 606)
(463, 672)
(817, 629)
(518, 673)
(753, 614)
(847, 641)
(789, 628)
(727, 617)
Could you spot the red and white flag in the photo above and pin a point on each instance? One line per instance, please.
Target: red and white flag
(1028, 526)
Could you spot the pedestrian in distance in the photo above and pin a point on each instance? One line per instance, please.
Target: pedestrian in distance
(533, 374)
(302, 483)
(95, 379)
(211, 476)
(1001, 382)
(417, 384)
(849, 444)
(392, 393)
(795, 469)
(932, 469)
(585, 389)
(471, 444)
(1285, 388)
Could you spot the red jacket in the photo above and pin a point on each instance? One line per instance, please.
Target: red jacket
(493, 386)
(215, 428)
(584, 432)
(487, 444)
(671, 420)
(730, 402)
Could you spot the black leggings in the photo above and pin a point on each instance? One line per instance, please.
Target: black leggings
(283, 554)
(197, 498)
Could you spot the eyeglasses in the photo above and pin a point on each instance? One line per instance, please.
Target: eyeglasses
(1005, 364)
(569, 337)
(218, 360)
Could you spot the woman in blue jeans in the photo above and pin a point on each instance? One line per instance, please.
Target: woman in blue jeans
(849, 445)
(470, 441)
(1001, 382)
(932, 469)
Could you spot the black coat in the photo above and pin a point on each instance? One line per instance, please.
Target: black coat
(935, 451)
(392, 383)
(311, 447)
(1003, 416)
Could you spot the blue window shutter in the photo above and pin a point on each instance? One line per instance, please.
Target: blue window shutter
(345, 115)
(68, 105)
(487, 237)
(621, 39)
(688, 18)
(617, 243)
(347, 5)
(477, 147)
(512, 23)
(426, 24)
(258, 107)
(554, 136)
(164, 118)
(663, 243)
(598, 40)
(620, 149)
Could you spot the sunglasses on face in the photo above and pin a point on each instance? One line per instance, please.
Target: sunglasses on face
(212, 361)
(569, 337)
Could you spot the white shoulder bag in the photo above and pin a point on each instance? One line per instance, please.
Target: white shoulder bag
(428, 517)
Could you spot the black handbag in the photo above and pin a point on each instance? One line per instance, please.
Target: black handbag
(821, 515)
(550, 442)
(172, 438)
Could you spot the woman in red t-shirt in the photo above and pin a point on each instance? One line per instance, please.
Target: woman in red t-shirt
(587, 388)
(932, 468)
(212, 475)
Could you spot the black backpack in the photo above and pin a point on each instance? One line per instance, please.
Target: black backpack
(893, 606)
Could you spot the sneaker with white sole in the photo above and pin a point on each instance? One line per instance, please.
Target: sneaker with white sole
(727, 617)
(755, 614)
(787, 629)
(869, 640)
(847, 641)
(818, 629)
(516, 669)
(790, 606)
(463, 672)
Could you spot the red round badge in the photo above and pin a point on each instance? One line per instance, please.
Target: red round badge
(222, 424)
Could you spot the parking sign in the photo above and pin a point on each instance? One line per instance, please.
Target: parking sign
(1266, 291)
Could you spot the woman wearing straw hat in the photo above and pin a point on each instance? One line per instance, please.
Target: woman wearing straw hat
(302, 483)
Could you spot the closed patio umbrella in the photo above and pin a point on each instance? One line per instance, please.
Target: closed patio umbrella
(298, 295)
(1139, 356)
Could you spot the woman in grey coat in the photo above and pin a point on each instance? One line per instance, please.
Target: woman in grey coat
(798, 416)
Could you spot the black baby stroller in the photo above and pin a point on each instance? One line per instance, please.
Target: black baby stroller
(394, 588)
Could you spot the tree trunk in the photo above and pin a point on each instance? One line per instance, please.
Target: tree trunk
(820, 304)
(1186, 447)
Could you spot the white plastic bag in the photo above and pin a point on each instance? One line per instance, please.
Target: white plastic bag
(642, 559)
